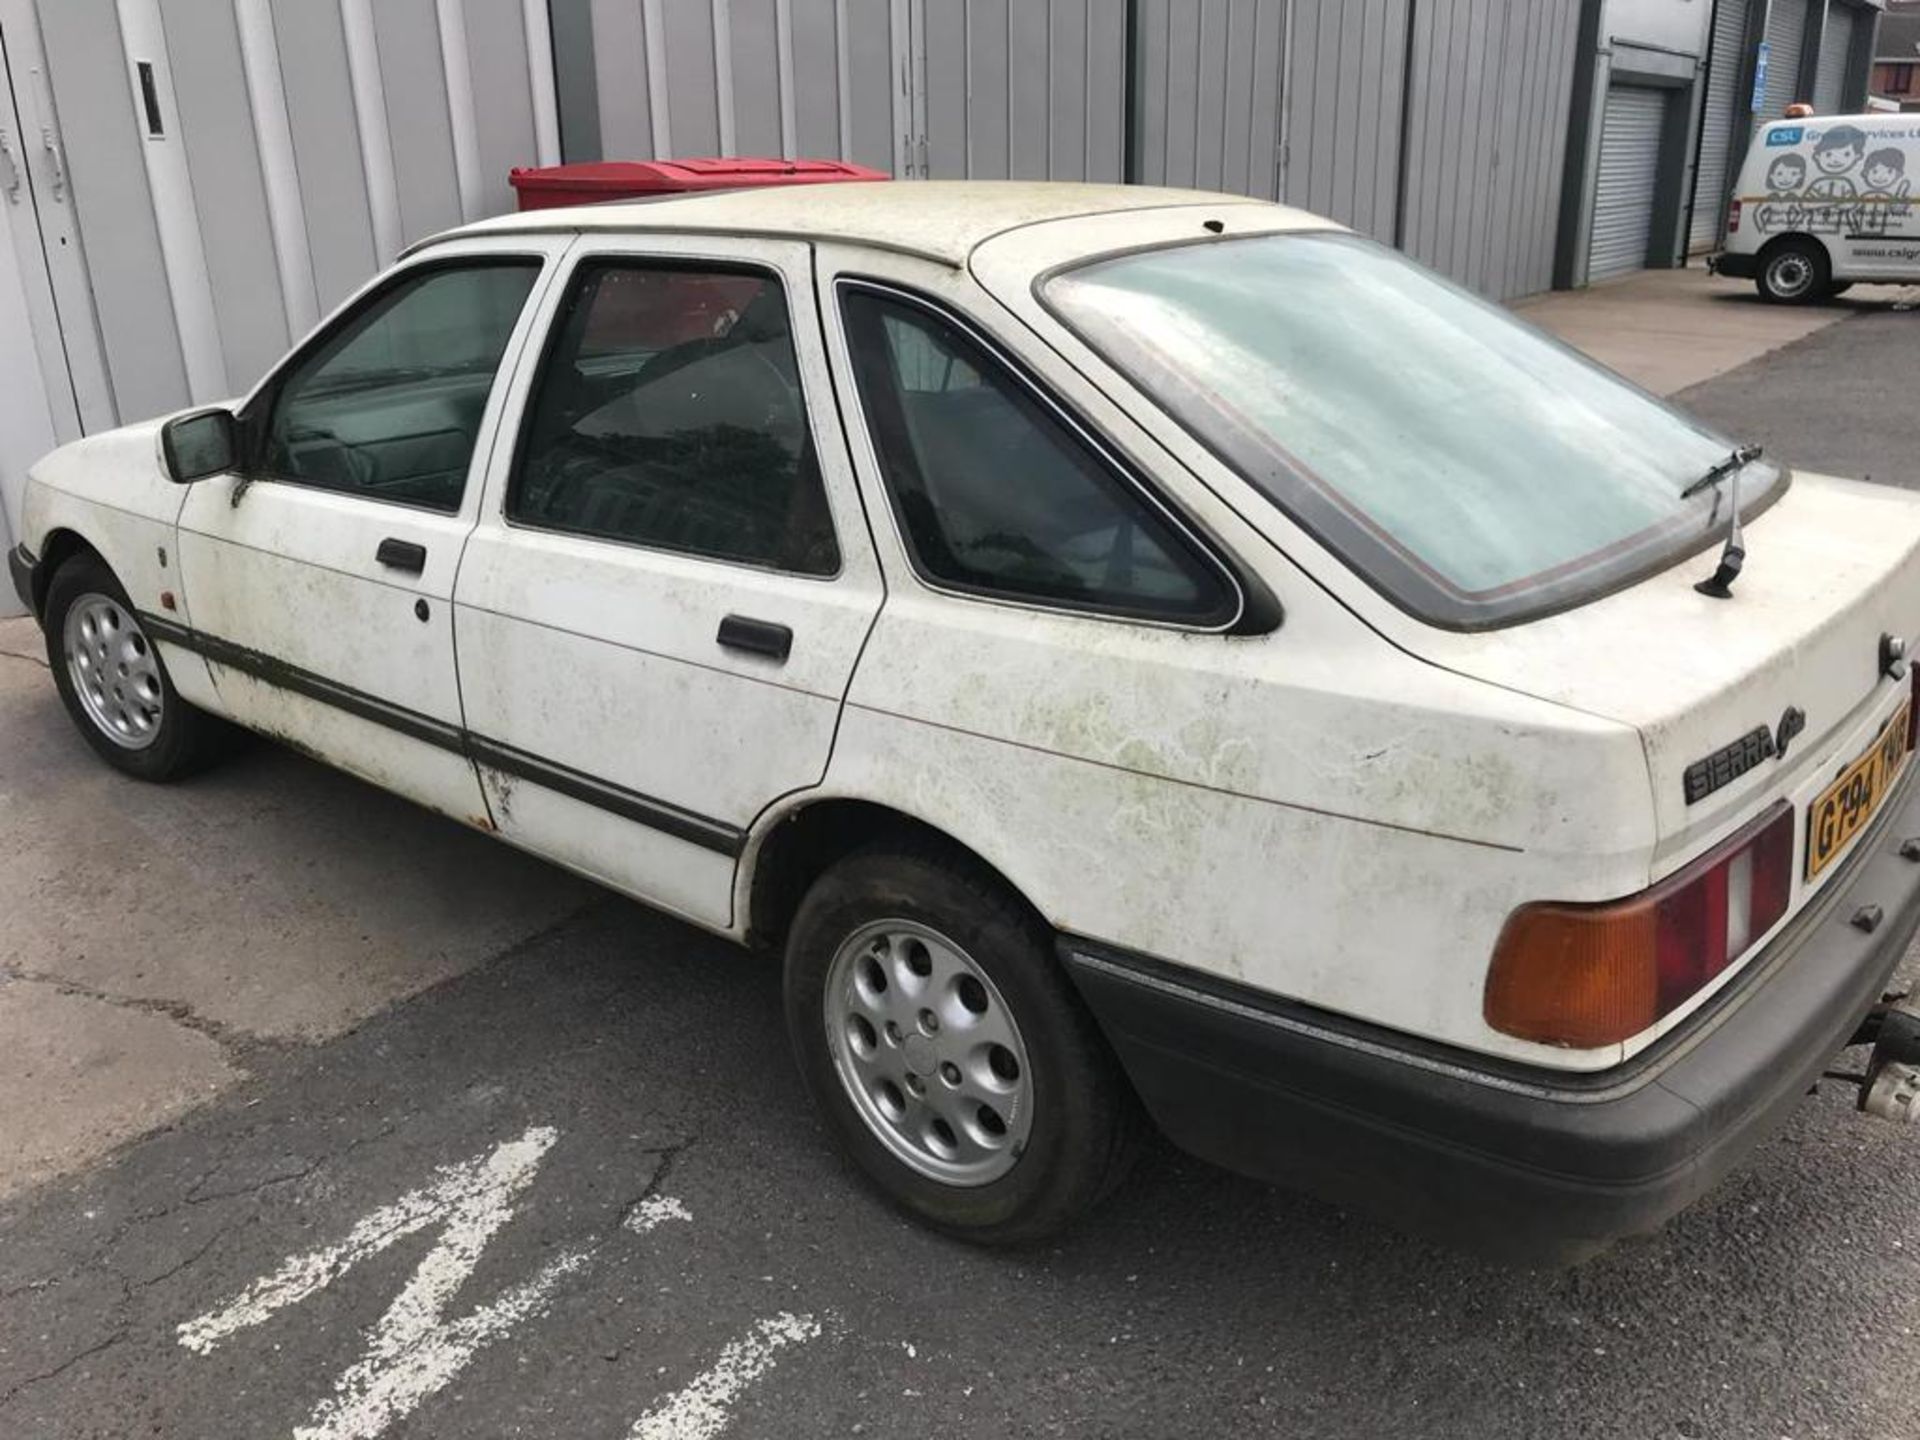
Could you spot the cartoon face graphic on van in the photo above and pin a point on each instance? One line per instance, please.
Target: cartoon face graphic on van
(1885, 172)
(1787, 174)
(1839, 150)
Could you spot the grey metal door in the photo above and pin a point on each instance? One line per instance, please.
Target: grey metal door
(1629, 170)
(1830, 73)
(1711, 179)
(1786, 42)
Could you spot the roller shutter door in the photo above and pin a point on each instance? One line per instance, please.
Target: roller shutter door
(1830, 75)
(1629, 169)
(1711, 180)
(1786, 42)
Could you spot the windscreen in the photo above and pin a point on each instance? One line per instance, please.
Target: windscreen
(1473, 469)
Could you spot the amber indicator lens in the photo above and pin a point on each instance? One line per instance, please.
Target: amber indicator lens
(1582, 976)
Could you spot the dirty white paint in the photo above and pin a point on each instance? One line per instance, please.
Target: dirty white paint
(473, 1200)
(702, 1409)
(655, 1211)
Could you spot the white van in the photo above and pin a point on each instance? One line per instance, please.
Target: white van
(1825, 203)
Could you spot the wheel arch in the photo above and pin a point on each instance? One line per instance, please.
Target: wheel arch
(61, 545)
(793, 847)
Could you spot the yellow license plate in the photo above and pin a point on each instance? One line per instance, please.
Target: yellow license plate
(1844, 807)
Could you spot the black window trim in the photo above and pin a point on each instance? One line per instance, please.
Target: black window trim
(698, 265)
(1255, 611)
(255, 413)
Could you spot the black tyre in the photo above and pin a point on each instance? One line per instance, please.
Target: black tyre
(949, 1052)
(114, 683)
(1794, 272)
(1838, 288)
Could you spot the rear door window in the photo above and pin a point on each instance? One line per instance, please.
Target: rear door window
(669, 414)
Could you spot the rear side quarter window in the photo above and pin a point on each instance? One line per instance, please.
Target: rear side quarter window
(997, 495)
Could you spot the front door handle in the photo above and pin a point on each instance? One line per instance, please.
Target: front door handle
(402, 555)
(761, 637)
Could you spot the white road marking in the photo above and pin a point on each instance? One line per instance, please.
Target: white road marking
(701, 1410)
(492, 1179)
(655, 1210)
(414, 1351)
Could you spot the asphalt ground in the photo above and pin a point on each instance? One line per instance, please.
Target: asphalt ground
(572, 1188)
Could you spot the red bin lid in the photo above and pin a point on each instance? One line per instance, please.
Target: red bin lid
(609, 179)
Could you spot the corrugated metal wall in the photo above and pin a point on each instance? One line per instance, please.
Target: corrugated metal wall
(1836, 53)
(318, 137)
(1487, 139)
(1725, 69)
(1623, 205)
(1346, 77)
(1210, 75)
(992, 89)
(1786, 41)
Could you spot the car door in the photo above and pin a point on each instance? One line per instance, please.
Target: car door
(663, 600)
(320, 577)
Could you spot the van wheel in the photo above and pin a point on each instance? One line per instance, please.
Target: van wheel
(1794, 272)
(114, 683)
(948, 1051)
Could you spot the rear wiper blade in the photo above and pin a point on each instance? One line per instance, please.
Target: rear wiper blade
(1734, 553)
(1738, 460)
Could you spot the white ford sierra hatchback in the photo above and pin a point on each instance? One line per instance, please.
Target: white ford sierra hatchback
(1129, 650)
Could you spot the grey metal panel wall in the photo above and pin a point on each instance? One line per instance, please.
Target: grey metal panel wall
(816, 78)
(1344, 93)
(756, 76)
(1629, 170)
(620, 73)
(1786, 40)
(1725, 67)
(869, 83)
(502, 87)
(693, 103)
(1486, 140)
(1836, 54)
(1023, 89)
(1210, 76)
(418, 125)
(326, 146)
(229, 193)
(114, 207)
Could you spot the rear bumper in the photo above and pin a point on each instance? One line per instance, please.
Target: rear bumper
(24, 570)
(1513, 1161)
(1735, 267)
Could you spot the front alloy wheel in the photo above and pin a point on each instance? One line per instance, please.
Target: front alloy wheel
(113, 671)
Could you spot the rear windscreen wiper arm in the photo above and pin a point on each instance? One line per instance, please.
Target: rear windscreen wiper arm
(1733, 554)
(1738, 460)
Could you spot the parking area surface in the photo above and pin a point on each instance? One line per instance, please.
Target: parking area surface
(329, 1118)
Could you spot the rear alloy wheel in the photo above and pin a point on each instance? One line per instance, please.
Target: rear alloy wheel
(114, 683)
(948, 1050)
(1794, 272)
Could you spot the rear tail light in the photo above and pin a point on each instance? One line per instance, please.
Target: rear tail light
(1733, 218)
(1590, 975)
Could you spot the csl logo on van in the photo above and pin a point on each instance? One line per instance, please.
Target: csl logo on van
(1786, 135)
(1730, 762)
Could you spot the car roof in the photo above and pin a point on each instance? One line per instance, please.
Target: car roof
(940, 220)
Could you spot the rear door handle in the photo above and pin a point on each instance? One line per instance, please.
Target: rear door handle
(402, 555)
(761, 637)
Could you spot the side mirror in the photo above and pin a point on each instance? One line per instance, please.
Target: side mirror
(204, 443)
